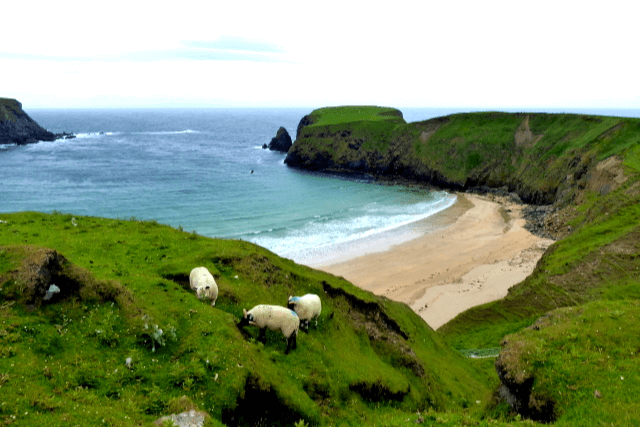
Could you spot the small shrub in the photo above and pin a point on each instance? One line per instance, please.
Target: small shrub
(152, 335)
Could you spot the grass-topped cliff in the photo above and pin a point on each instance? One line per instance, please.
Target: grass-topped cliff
(331, 135)
(16, 127)
(124, 294)
(588, 168)
(539, 156)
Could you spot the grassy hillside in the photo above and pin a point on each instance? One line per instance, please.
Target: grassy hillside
(577, 365)
(125, 295)
(588, 168)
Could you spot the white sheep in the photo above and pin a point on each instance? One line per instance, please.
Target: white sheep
(308, 307)
(275, 318)
(203, 283)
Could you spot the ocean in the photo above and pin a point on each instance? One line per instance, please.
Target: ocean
(204, 170)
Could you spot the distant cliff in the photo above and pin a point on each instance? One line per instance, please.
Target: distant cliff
(544, 158)
(16, 127)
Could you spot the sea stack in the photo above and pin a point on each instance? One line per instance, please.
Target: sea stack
(281, 142)
(16, 127)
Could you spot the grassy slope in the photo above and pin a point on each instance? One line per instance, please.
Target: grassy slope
(582, 362)
(64, 363)
(559, 161)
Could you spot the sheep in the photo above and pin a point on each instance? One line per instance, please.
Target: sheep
(275, 318)
(204, 284)
(308, 307)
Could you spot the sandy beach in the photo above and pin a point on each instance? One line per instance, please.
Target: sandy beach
(480, 251)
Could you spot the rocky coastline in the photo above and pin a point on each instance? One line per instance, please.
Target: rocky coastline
(16, 127)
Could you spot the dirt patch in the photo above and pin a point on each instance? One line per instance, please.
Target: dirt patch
(182, 279)
(259, 404)
(517, 385)
(607, 176)
(524, 137)
(379, 321)
(387, 337)
(377, 392)
(46, 277)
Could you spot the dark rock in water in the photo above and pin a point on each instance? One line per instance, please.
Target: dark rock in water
(281, 142)
(65, 135)
(16, 127)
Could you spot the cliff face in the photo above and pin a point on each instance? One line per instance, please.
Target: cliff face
(16, 127)
(544, 158)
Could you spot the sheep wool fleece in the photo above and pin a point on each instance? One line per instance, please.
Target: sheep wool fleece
(203, 283)
(275, 318)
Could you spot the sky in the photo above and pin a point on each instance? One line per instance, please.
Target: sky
(446, 53)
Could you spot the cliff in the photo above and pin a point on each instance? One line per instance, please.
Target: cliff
(16, 127)
(543, 158)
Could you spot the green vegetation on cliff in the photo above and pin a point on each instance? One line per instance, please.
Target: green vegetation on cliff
(16, 127)
(588, 168)
(124, 294)
(326, 130)
(538, 156)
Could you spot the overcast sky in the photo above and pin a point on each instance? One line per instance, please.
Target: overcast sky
(442, 53)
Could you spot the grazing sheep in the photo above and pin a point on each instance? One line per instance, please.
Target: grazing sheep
(204, 284)
(275, 318)
(308, 307)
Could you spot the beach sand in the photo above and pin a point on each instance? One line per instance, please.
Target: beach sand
(480, 250)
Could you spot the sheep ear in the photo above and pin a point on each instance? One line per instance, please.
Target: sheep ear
(289, 297)
(244, 313)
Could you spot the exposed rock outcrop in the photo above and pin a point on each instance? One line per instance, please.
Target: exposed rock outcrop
(281, 142)
(190, 418)
(16, 127)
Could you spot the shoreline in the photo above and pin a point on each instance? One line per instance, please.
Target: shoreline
(478, 252)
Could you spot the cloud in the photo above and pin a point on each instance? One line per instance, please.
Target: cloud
(231, 43)
(225, 48)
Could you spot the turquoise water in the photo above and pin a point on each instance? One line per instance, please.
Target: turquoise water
(191, 168)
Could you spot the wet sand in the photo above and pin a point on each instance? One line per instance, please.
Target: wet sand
(480, 250)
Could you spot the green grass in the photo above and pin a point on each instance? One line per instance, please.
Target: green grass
(545, 158)
(64, 363)
(348, 114)
(583, 361)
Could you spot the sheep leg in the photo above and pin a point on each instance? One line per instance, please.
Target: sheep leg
(262, 336)
(291, 343)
